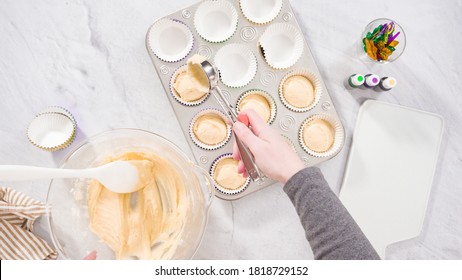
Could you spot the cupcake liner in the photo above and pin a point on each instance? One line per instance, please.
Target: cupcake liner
(204, 145)
(216, 21)
(170, 40)
(315, 81)
(289, 142)
(51, 131)
(177, 97)
(282, 45)
(221, 189)
(339, 137)
(266, 95)
(237, 65)
(260, 11)
(60, 110)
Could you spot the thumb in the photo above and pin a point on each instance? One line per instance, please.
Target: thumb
(246, 136)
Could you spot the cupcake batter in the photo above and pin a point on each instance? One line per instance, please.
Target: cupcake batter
(187, 87)
(210, 129)
(192, 84)
(258, 103)
(226, 174)
(131, 224)
(318, 135)
(298, 91)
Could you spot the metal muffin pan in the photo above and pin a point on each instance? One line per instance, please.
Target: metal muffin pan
(267, 79)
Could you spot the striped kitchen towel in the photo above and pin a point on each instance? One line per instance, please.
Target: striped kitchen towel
(17, 215)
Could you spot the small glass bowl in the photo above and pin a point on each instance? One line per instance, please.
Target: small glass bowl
(396, 51)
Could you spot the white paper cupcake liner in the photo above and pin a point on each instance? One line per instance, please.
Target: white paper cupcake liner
(268, 98)
(198, 142)
(315, 81)
(237, 65)
(58, 109)
(177, 96)
(339, 137)
(260, 11)
(216, 21)
(51, 131)
(282, 45)
(220, 188)
(170, 40)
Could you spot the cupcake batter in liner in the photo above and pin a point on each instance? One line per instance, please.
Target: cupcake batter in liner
(325, 134)
(224, 171)
(189, 88)
(267, 113)
(302, 87)
(209, 129)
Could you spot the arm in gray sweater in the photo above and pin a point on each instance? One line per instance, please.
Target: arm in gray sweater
(330, 230)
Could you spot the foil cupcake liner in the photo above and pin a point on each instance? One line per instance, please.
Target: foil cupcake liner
(234, 73)
(179, 37)
(220, 188)
(339, 137)
(282, 45)
(266, 95)
(177, 97)
(315, 81)
(252, 10)
(198, 142)
(51, 131)
(208, 20)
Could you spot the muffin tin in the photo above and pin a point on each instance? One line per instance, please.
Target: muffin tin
(264, 36)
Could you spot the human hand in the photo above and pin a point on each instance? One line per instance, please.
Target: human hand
(273, 155)
(91, 256)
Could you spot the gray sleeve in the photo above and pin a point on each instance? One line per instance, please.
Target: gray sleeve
(330, 230)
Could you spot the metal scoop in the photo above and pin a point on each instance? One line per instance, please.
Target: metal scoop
(211, 73)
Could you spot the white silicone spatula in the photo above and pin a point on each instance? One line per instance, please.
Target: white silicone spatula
(117, 176)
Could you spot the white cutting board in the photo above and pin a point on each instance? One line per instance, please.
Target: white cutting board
(390, 171)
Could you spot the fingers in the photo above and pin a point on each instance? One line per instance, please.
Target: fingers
(236, 154)
(246, 136)
(240, 167)
(91, 256)
(258, 124)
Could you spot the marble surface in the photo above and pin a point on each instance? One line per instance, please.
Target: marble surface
(90, 57)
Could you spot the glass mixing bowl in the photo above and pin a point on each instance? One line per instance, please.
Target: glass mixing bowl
(69, 219)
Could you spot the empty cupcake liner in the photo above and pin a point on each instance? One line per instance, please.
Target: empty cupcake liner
(220, 188)
(198, 142)
(177, 97)
(170, 40)
(58, 109)
(339, 137)
(260, 11)
(216, 21)
(315, 81)
(282, 45)
(237, 65)
(51, 131)
(266, 95)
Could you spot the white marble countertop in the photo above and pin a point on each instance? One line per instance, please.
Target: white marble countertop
(90, 57)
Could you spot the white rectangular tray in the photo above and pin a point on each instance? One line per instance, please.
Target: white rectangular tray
(390, 171)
